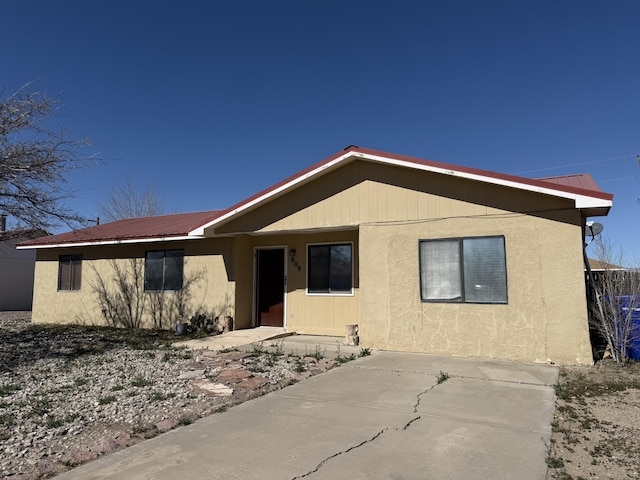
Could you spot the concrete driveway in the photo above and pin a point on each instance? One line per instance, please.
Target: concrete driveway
(378, 417)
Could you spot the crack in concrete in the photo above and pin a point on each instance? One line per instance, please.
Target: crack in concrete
(375, 437)
(319, 466)
(470, 377)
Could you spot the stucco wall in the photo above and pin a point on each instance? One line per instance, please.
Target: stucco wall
(544, 320)
(304, 314)
(208, 265)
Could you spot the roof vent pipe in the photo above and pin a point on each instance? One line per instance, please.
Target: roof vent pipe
(3, 223)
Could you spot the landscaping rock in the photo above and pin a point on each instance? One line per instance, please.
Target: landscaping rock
(70, 394)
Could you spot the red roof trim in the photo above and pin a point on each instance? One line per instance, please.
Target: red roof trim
(189, 223)
(428, 163)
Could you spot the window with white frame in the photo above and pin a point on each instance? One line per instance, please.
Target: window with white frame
(468, 270)
(69, 272)
(163, 270)
(330, 268)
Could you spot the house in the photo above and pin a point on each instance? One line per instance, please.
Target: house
(423, 256)
(16, 268)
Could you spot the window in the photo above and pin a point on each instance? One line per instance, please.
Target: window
(163, 270)
(471, 270)
(69, 272)
(330, 269)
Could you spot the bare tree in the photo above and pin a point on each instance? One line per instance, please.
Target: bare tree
(615, 303)
(124, 302)
(126, 202)
(121, 299)
(34, 161)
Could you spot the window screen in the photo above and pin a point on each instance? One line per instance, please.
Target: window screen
(469, 270)
(69, 272)
(330, 269)
(163, 270)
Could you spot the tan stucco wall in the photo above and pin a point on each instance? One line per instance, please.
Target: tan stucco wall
(304, 314)
(210, 260)
(545, 319)
(385, 211)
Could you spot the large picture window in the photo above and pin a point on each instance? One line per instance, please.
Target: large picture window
(69, 272)
(330, 269)
(471, 270)
(163, 270)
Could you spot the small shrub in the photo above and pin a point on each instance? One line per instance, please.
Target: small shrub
(554, 462)
(442, 377)
(317, 354)
(7, 419)
(80, 381)
(299, 365)
(140, 381)
(157, 396)
(9, 389)
(278, 345)
(185, 421)
(72, 416)
(228, 350)
(106, 400)
(341, 359)
(364, 352)
(54, 422)
(40, 407)
(258, 348)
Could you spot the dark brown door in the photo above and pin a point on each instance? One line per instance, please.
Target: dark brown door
(270, 288)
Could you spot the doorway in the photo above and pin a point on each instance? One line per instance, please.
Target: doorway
(270, 284)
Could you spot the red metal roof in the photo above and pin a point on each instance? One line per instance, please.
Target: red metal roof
(179, 225)
(582, 180)
(544, 183)
(162, 226)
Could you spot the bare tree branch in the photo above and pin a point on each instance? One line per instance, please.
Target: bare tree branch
(125, 202)
(34, 161)
(616, 298)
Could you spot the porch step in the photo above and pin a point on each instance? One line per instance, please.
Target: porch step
(235, 338)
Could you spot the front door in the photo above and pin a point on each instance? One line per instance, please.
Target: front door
(270, 287)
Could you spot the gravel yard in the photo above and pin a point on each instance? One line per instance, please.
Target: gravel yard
(70, 394)
(596, 427)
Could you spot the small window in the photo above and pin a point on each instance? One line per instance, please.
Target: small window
(163, 270)
(470, 270)
(69, 272)
(330, 269)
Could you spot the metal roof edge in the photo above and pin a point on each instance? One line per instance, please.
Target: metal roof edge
(108, 242)
(582, 198)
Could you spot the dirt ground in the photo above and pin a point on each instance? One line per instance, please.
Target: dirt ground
(596, 428)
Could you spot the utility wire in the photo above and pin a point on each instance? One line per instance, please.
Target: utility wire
(578, 164)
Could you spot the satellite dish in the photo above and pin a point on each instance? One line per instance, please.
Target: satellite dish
(592, 229)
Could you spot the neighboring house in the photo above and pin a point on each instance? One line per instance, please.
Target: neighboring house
(423, 256)
(16, 269)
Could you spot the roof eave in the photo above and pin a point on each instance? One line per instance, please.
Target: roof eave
(106, 242)
(595, 201)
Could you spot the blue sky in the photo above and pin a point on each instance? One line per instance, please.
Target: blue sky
(212, 101)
